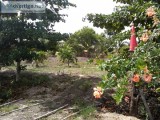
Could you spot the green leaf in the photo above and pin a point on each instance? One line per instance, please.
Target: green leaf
(158, 90)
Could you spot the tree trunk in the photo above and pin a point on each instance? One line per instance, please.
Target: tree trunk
(18, 70)
(146, 105)
(68, 63)
(134, 101)
(37, 65)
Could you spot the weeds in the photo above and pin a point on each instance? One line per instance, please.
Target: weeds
(8, 108)
(87, 111)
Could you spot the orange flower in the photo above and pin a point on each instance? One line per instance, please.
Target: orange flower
(97, 92)
(150, 12)
(136, 78)
(144, 37)
(146, 70)
(147, 78)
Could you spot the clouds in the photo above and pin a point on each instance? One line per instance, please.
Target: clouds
(74, 20)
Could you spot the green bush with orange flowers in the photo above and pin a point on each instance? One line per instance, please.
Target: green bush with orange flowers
(142, 67)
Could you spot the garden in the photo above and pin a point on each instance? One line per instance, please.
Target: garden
(84, 75)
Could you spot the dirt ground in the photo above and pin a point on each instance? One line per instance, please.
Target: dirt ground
(49, 98)
(63, 95)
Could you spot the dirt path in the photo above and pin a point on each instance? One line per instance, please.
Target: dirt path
(115, 116)
(37, 104)
(37, 108)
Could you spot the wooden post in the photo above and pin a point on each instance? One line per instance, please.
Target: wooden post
(134, 100)
(145, 104)
(18, 70)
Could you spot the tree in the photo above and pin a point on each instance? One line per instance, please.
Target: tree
(51, 41)
(67, 54)
(87, 40)
(129, 11)
(19, 38)
(139, 69)
(131, 1)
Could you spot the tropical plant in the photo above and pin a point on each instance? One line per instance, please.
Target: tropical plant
(138, 72)
(88, 40)
(67, 54)
(39, 57)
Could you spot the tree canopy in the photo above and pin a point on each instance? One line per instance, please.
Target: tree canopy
(138, 69)
(19, 38)
(88, 40)
(130, 11)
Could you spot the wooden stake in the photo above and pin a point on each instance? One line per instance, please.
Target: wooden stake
(10, 102)
(49, 113)
(20, 109)
(73, 114)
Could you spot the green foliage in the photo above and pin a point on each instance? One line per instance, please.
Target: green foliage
(86, 111)
(121, 67)
(121, 89)
(126, 14)
(67, 54)
(85, 86)
(124, 51)
(116, 23)
(51, 15)
(158, 90)
(87, 39)
(89, 61)
(18, 37)
(132, 1)
(50, 42)
(32, 80)
(5, 94)
(8, 108)
(10, 88)
(39, 57)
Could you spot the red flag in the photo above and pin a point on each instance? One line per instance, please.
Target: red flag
(133, 42)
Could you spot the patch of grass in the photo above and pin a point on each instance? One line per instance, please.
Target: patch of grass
(87, 111)
(32, 80)
(79, 68)
(86, 85)
(5, 94)
(8, 108)
(54, 66)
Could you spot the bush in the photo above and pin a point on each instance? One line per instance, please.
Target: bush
(67, 54)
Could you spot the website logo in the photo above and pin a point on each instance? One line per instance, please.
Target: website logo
(22, 6)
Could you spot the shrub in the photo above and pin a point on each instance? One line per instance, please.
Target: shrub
(67, 54)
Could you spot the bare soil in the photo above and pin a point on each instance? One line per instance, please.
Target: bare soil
(43, 92)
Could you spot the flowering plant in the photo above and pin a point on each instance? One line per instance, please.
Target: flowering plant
(141, 68)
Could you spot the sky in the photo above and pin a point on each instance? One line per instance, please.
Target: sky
(75, 14)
